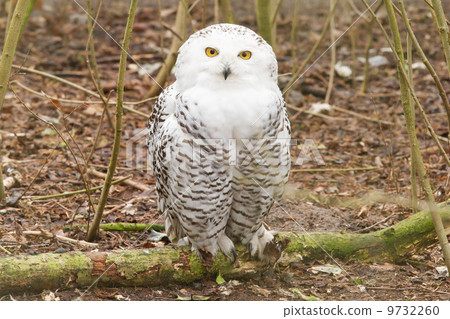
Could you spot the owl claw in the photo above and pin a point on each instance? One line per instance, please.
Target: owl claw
(227, 247)
(234, 256)
(262, 246)
(249, 247)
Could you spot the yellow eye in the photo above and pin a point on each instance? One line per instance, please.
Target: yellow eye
(211, 52)
(245, 55)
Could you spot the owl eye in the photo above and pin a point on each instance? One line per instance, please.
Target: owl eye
(245, 55)
(211, 52)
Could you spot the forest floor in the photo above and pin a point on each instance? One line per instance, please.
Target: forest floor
(55, 40)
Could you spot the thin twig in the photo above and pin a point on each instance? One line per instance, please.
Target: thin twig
(311, 53)
(377, 223)
(432, 8)
(1, 247)
(443, 29)
(388, 151)
(93, 230)
(333, 57)
(161, 30)
(91, 59)
(79, 168)
(409, 86)
(120, 206)
(315, 170)
(169, 61)
(37, 174)
(293, 33)
(134, 184)
(425, 61)
(275, 13)
(226, 14)
(216, 12)
(91, 204)
(340, 109)
(413, 170)
(203, 14)
(18, 20)
(367, 50)
(98, 133)
(356, 10)
(352, 34)
(407, 90)
(81, 191)
(78, 87)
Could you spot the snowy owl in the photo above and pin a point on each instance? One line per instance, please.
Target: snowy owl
(218, 142)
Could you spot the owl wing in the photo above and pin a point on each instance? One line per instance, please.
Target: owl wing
(261, 172)
(159, 140)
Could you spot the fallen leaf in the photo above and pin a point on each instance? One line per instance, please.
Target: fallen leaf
(329, 269)
(220, 279)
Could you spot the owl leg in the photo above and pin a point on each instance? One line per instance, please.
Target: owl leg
(175, 231)
(227, 247)
(223, 243)
(264, 245)
(183, 241)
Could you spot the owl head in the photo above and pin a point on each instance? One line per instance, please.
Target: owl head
(224, 55)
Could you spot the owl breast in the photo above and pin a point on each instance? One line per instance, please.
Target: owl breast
(232, 114)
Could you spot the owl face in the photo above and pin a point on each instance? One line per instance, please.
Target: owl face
(225, 55)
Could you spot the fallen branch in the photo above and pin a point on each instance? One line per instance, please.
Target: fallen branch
(49, 235)
(134, 184)
(10, 181)
(162, 266)
(121, 227)
(367, 118)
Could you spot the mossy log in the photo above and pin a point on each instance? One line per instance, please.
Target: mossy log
(161, 266)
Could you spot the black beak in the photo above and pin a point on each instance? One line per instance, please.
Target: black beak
(226, 72)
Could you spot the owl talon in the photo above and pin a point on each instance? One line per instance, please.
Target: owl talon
(234, 256)
(227, 247)
(263, 246)
(250, 248)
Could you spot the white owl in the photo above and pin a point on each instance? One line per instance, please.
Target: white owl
(219, 142)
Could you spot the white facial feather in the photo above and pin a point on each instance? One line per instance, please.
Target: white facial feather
(194, 67)
(234, 106)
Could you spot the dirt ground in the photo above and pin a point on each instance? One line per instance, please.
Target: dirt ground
(55, 40)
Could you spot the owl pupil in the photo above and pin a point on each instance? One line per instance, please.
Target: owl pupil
(212, 51)
(244, 55)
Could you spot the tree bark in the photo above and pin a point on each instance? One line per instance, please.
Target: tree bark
(162, 266)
